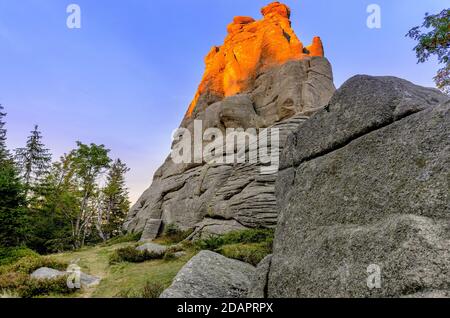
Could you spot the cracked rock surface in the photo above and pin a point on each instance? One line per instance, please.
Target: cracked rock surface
(234, 196)
(365, 187)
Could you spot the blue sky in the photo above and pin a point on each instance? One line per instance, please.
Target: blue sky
(126, 78)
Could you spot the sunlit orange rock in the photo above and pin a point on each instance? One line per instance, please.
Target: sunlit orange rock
(250, 47)
(316, 48)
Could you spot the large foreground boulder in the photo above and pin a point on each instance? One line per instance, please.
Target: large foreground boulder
(211, 275)
(365, 196)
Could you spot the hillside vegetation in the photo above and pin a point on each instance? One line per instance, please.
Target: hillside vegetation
(141, 279)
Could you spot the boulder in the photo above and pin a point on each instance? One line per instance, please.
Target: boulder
(152, 248)
(258, 287)
(364, 196)
(89, 281)
(180, 254)
(86, 281)
(210, 227)
(211, 275)
(47, 273)
(151, 229)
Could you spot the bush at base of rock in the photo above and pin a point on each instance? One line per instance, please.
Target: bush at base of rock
(132, 255)
(248, 253)
(251, 236)
(150, 290)
(29, 264)
(44, 287)
(173, 235)
(23, 286)
(132, 237)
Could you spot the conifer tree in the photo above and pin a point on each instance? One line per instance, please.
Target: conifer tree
(12, 212)
(4, 153)
(114, 202)
(34, 160)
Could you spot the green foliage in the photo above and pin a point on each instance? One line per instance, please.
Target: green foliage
(44, 287)
(9, 255)
(13, 222)
(249, 246)
(169, 256)
(20, 284)
(249, 253)
(173, 235)
(4, 153)
(435, 42)
(14, 277)
(246, 237)
(149, 291)
(28, 264)
(132, 255)
(131, 237)
(33, 160)
(114, 204)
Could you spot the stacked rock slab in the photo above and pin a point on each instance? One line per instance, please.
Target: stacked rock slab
(365, 197)
(250, 82)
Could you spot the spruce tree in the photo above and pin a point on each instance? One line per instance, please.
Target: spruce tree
(4, 153)
(12, 213)
(34, 160)
(114, 203)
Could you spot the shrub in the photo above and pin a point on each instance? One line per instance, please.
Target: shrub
(132, 255)
(150, 290)
(248, 253)
(131, 237)
(15, 278)
(169, 256)
(213, 243)
(41, 287)
(29, 264)
(12, 281)
(251, 236)
(9, 255)
(22, 285)
(173, 235)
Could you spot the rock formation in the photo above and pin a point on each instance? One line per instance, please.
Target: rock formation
(365, 190)
(262, 77)
(210, 275)
(250, 47)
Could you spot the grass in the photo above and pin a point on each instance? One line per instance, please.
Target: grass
(250, 236)
(137, 280)
(124, 279)
(252, 253)
(130, 278)
(249, 246)
(172, 235)
(127, 238)
(132, 255)
(15, 279)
